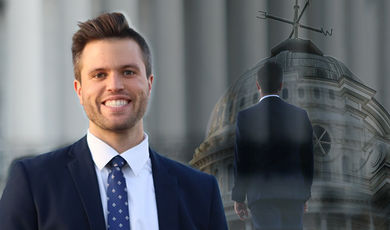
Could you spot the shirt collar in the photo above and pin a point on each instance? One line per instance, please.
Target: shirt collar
(136, 157)
(270, 95)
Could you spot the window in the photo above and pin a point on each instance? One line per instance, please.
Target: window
(346, 169)
(321, 140)
(317, 93)
(331, 94)
(242, 102)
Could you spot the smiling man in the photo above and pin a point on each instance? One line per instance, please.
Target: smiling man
(110, 179)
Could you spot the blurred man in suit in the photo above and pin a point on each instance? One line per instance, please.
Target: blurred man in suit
(273, 157)
(110, 178)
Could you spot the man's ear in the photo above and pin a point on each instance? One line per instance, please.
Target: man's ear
(150, 82)
(280, 87)
(77, 88)
(258, 86)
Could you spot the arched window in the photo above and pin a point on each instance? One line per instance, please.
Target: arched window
(317, 93)
(322, 145)
(331, 94)
(242, 102)
(321, 141)
(346, 169)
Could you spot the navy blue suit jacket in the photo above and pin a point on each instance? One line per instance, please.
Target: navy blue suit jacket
(273, 152)
(59, 190)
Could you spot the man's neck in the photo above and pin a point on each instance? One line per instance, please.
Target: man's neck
(121, 140)
(267, 94)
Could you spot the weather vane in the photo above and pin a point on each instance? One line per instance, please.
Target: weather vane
(296, 24)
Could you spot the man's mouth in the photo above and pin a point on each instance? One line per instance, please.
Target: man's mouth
(116, 103)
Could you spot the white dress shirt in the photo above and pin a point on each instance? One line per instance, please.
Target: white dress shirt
(270, 95)
(139, 180)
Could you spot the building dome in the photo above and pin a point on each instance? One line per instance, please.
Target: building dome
(351, 138)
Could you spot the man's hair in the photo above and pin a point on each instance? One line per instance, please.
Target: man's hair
(270, 77)
(108, 25)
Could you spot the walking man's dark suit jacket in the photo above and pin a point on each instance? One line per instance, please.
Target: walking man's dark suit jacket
(273, 153)
(59, 190)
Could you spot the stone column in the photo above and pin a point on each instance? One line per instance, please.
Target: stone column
(74, 121)
(323, 222)
(166, 120)
(3, 55)
(247, 36)
(383, 18)
(24, 83)
(38, 100)
(372, 227)
(361, 36)
(334, 45)
(206, 67)
(55, 80)
(129, 7)
(348, 222)
(315, 16)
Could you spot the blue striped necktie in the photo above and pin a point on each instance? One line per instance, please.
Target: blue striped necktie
(117, 202)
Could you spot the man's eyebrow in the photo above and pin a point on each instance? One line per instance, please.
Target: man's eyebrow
(96, 70)
(135, 66)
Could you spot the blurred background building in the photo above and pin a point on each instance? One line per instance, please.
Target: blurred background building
(351, 187)
(200, 48)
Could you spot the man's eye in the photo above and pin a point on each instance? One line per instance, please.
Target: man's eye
(100, 75)
(128, 72)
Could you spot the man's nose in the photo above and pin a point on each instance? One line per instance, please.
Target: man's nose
(115, 82)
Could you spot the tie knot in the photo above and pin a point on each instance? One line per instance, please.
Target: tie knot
(117, 161)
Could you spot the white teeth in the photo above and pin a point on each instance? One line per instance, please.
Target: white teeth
(116, 103)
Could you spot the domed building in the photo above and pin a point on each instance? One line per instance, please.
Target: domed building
(351, 188)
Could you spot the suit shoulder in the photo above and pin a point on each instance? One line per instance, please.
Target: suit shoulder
(191, 181)
(248, 111)
(47, 160)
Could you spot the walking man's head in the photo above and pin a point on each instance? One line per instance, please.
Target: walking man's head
(269, 78)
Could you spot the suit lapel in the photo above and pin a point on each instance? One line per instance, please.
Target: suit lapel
(166, 191)
(82, 169)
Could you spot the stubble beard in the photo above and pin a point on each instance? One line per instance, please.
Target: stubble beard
(139, 108)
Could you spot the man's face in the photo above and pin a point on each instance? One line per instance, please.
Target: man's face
(114, 89)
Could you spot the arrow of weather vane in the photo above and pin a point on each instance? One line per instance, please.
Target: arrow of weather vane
(296, 24)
